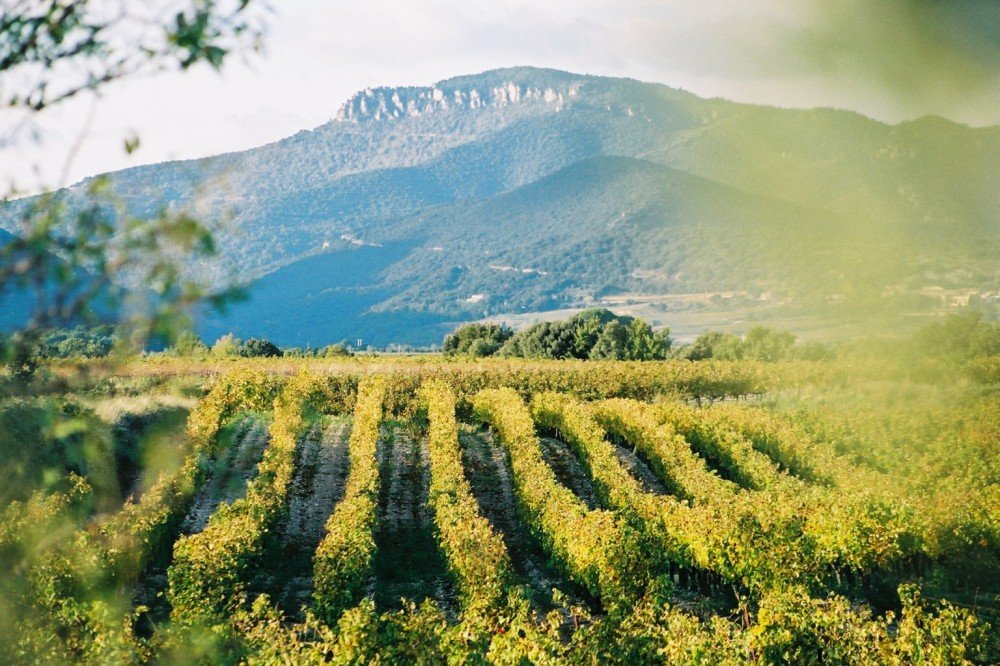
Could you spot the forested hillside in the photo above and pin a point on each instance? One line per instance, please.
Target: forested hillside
(526, 189)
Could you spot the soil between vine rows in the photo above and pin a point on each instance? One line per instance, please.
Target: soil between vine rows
(487, 467)
(569, 470)
(640, 470)
(408, 562)
(234, 467)
(322, 465)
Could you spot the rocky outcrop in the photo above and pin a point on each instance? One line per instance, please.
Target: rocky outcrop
(390, 103)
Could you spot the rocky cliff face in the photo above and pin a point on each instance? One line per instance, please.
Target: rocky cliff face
(541, 90)
(394, 103)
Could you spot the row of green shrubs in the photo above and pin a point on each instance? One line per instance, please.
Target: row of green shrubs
(475, 552)
(79, 582)
(593, 547)
(851, 532)
(585, 380)
(788, 532)
(664, 521)
(343, 560)
(208, 575)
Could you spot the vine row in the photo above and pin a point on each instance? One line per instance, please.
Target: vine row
(344, 557)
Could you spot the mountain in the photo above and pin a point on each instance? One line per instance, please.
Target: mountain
(524, 189)
(16, 302)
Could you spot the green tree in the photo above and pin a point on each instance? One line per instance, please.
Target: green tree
(189, 344)
(548, 339)
(228, 346)
(959, 337)
(644, 344)
(710, 345)
(477, 340)
(767, 344)
(334, 351)
(257, 347)
(580, 335)
(612, 344)
(812, 351)
(585, 336)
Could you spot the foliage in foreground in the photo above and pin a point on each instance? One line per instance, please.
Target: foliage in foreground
(76, 603)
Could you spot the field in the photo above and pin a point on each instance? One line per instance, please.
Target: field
(418, 510)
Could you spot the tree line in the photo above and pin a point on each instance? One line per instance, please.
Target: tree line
(596, 334)
(599, 334)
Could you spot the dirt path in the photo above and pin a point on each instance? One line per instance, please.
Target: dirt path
(640, 470)
(408, 562)
(231, 471)
(569, 470)
(320, 476)
(321, 468)
(488, 470)
(239, 452)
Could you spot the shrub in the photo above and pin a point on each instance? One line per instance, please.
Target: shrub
(227, 346)
(333, 351)
(476, 340)
(257, 347)
(189, 344)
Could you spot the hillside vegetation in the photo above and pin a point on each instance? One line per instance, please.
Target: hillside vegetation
(523, 189)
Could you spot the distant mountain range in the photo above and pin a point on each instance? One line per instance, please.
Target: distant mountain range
(521, 190)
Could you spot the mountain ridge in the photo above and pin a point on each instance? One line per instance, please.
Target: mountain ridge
(811, 203)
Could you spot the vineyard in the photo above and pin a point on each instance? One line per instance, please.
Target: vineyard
(560, 513)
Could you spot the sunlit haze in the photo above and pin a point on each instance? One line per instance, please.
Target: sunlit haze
(318, 53)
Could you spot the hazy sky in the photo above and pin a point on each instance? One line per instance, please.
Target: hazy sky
(890, 59)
